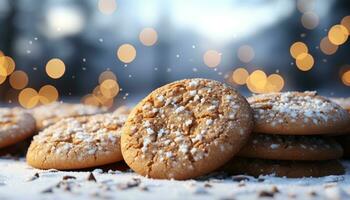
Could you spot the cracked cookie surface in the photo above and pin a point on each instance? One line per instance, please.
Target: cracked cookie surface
(186, 129)
(78, 142)
(285, 147)
(46, 115)
(297, 113)
(15, 125)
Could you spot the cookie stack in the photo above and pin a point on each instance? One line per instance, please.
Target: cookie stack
(290, 136)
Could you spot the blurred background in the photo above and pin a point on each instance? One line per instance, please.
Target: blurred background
(107, 52)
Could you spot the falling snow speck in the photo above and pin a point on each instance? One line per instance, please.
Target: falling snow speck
(195, 69)
(34, 68)
(28, 52)
(35, 38)
(155, 69)
(30, 42)
(83, 68)
(193, 46)
(125, 65)
(84, 59)
(177, 56)
(168, 70)
(130, 75)
(100, 40)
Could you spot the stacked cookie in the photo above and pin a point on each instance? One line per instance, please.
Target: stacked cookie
(290, 136)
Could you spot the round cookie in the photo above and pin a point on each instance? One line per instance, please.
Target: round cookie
(46, 115)
(286, 147)
(186, 129)
(15, 126)
(290, 169)
(297, 113)
(78, 142)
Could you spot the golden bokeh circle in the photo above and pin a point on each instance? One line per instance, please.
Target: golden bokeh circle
(109, 88)
(18, 80)
(256, 82)
(327, 47)
(106, 75)
(239, 76)
(126, 53)
(346, 78)
(310, 20)
(148, 36)
(245, 53)
(346, 22)
(55, 68)
(90, 99)
(338, 34)
(107, 7)
(212, 58)
(7, 65)
(305, 62)
(28, 98)
(298, 48)
(48, 94)
(275, 83)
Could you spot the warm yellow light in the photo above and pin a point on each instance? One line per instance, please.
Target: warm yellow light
(48, 94)
(90, 100)
(305, 62)
(346, 78)
(28, 98)
(310, 20)
(275, 83)
(106, 75)
(148, 36)
(239, 76)
(256, 82)
(212, 58)
(327, 47)
(18, 80)
(107, 7)
(298, 48)
(7, 65)
(338, 34)
(55, 68)
(246, 53)
(109, 88)
(126, 53)
(346, 23)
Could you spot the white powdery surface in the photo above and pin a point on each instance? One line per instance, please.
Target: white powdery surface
(20, 181)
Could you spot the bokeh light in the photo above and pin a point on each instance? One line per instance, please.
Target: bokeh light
(338, 34)
(346, 22)
(327, 47)
(212, 58)
(246, 53)
(275, 83)
(345, 77)
(55, 68)
(239, 76)
(106, 75)
(310, 20)
(28, 98)
(305, 62)
(48, 94)
(18, 80)
(256, 81)
(298, 48)
(7, 65)
(126, 53)
(107, 7)
(109, 88)
(148, 36)
(90, 99)
(305, 5)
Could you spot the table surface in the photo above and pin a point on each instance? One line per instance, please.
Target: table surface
(20, 181)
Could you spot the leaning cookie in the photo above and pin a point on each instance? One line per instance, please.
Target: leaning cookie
(285, 147)
(297, 113)
(290, 169)
(79, 142)
(15, 125)
(46, 115)
(186, 129)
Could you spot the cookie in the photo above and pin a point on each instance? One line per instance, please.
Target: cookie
(297, 113)
(78, 142)
(344, 141)
(286, 147)
(186, 129)
(46, 115)
(290, 169)
(15, 125)
(343, 102)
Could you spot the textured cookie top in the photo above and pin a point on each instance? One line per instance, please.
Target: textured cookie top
(15, 125)
(82, 139)
(288, 147)
(47, 115)
(185, 129)
(295, 113)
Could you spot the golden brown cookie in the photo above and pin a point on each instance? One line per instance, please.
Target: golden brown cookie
(46, 115)
(290, 169)
(15, 125)
(78, 142)
(297, 113)
(186, 129)
(287, 147)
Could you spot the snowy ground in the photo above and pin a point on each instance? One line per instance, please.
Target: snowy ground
(20, 181)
